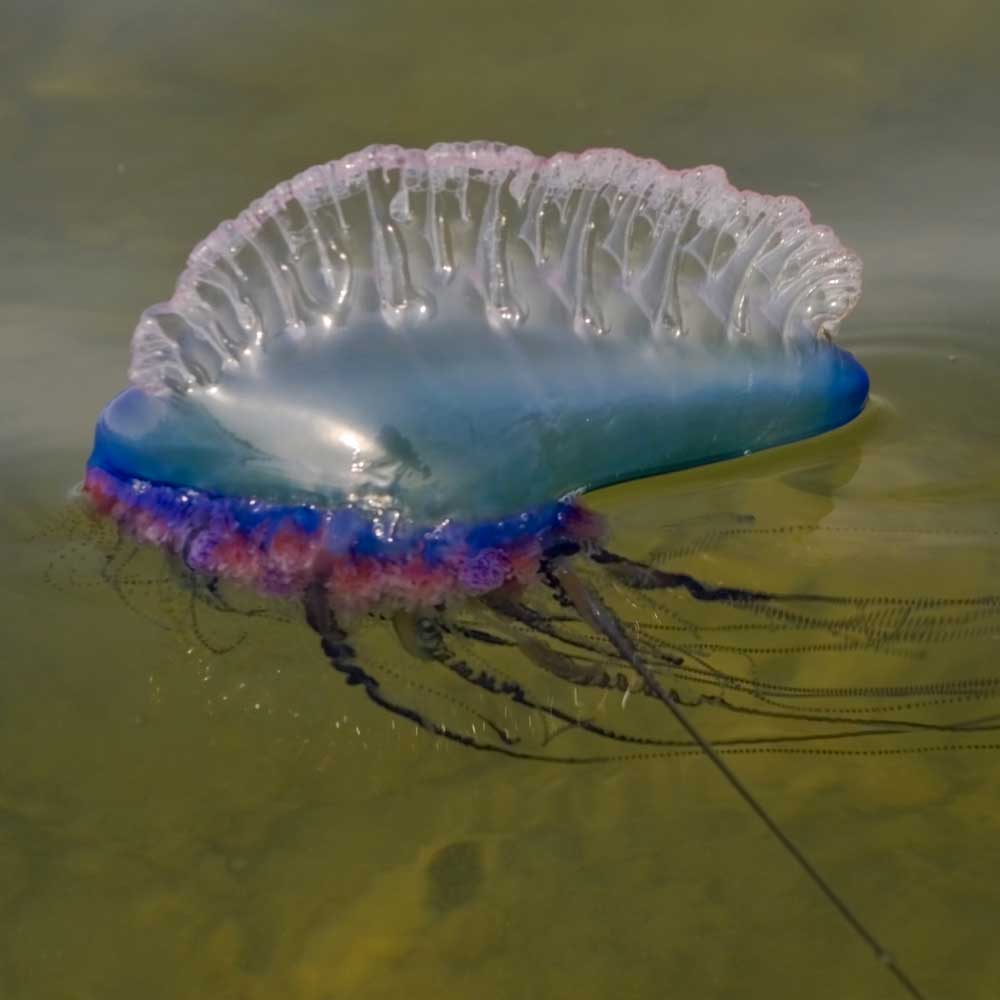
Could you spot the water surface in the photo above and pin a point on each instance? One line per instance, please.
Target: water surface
(176, 820)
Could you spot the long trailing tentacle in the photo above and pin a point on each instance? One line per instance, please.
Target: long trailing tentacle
(601, 618)
(874, 625)
(429, 636)
(424, 637)
(343, 658)
(881, 618)
(683, 664)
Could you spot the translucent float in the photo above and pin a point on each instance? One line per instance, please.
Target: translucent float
(393, 373)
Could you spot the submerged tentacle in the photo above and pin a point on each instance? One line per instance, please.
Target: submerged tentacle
(602, 618)
(872, 624)
(827, 723)
(342, 656)
(877, 619)
(424, 637)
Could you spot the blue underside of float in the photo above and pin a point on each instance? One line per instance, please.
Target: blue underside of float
(495, 427)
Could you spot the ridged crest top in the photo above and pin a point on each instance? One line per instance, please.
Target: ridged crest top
(602, 242)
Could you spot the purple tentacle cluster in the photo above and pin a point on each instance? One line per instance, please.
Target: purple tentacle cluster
(362, 560)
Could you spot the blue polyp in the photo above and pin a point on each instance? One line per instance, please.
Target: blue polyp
(463, 423)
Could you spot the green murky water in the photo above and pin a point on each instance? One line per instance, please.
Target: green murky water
(179, 821)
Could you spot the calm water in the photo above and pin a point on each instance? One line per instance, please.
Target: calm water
(178, 821)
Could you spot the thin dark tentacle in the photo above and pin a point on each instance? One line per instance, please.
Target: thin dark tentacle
(640, 576)
(341, 655)
(434, 648)
(601, 617)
